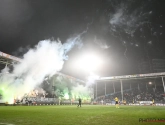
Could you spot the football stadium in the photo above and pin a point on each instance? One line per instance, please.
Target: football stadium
(55, 101)
(79, 62)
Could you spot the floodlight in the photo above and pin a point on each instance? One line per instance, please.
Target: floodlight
(150, 83)
(89, 62)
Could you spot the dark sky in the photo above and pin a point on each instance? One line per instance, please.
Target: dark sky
(123, 32)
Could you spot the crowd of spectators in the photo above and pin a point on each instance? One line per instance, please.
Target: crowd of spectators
(135, 95)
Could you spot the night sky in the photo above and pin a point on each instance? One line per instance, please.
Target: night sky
(123, 32)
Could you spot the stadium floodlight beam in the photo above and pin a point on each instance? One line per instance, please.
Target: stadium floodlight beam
(89, 62)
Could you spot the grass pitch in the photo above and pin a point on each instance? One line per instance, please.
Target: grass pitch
(86, 115)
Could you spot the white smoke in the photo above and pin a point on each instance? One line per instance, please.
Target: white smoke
(81, 91)
(91, 79)
(45, 59)
(128, 22)
(101, 43)
(117, 17)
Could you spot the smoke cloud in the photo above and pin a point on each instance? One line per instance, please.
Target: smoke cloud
(45, 59)
(128, 22)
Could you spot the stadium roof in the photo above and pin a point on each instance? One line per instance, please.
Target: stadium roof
(136, 76)
(6, 59)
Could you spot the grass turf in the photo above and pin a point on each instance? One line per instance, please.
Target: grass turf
(86, 115)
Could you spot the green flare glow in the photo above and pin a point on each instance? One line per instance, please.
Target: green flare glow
(7, 96)
(66, 96)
